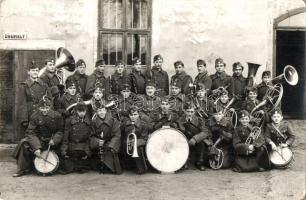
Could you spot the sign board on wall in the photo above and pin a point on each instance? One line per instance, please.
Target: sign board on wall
(15, 36)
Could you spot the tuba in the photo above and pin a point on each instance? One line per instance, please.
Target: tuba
(131, 145)
(253, 68)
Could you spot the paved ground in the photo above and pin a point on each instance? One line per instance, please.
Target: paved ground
(190, 184)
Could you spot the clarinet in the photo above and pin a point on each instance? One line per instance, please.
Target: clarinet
(101, 153)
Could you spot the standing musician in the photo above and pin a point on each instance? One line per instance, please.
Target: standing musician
(177, 98)
(220, 78)
(45, 128)
(97, 77)
(264, 85)
(118, 78)
(249, 144)
(278, 133)
(196, 132)
(105, 140)
(222, 130)
(135, 133)
(75, 147)
(181, 77)
(79, 77)
(33, 89)
(159, 76)
(238, 85)
(137, 79)
(202, 76)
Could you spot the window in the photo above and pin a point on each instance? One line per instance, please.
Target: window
(124, 31)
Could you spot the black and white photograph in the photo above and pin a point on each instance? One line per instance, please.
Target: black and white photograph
(152, 99)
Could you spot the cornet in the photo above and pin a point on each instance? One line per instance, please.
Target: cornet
(131, 145)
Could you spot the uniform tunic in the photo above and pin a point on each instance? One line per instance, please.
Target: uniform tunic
(137, 81)
(160, 78)
(80, 80)
(92, 80)
(220, 80)
(184, 80)
(203, 78)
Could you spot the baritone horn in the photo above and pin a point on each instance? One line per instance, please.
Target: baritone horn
(253, 68)
(289, 75)
(131, 145)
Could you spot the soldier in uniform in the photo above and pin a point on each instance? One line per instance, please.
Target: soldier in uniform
(134, 124)
(221, 128)
(45, 128)
(220, 78)
(195, 130)
(201, 102)
(251, 101)
(176, 98)
(97, 99)
(159, 76)
(118, 78)
(202, 76)
(264, 85)
(137, 79)
(250, 152)
(33, 89)
(238, 85)
(181, 77)
(75, 147)
(105, 140)
(79, 77)
(97, 77)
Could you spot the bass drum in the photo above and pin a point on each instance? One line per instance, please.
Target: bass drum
(47, 162)
(167, 150)
(281, 157)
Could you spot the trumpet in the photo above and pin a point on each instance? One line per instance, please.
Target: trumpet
(131, 145)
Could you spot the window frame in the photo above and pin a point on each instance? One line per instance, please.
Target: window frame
(125, 31)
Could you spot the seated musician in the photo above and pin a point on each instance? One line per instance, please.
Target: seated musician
(135, 125)
(164, 116)
(70, 97)
(75, 146)
(198, 136)
(222, 134)
(251, 100)
(177, 98)
(278, 133)
(224, 102)
(105, 141)
(97, 98)
(202, 103)
(45, 129)
(117, 79)
(250, 150)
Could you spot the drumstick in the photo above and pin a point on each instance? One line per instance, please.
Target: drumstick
(45, 160)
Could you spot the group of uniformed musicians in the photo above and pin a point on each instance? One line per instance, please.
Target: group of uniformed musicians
(88, 123)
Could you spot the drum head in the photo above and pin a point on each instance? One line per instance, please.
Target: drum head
(46, 164)
(281, 157)
(167, 150)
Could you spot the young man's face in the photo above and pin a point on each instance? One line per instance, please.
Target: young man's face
(224, 98)
(101, 112)
(220, 67)
(44, 110)
(201, 93)
(201, 68)
(266, 79)
(81, 68)
(175, 90)
(71, 90)
(126, 93)
(120, 68)
(150, 90)
(33, 73)
(101, 68)
(98, 94)
(244, 120)
(81, 113)
(237, 71)
(218, 116)
(277, 118)
(137, 66)
(50, 67)
(189, 112)
(179, 69)
(165, 105)
(134, 116)
(158, 63)
(252, 95)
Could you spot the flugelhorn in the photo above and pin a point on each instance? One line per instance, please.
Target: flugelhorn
(131, 145)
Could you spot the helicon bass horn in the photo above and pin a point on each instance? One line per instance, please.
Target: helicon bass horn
(253, 68)
(289, 75)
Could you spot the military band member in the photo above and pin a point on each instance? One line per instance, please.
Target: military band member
(33, 89)
(221, 128)
(176, 98)
(134, 124)
(278, 132)
(220, 78)
(238, 85)
(202, 76)
(250, 151)
(251, 101)
(105, 140)
(79, 77)
(97, 99)
(159, 76)
(195, 130)
(264, 85)
(118, 78)
(224, 102)
(137, 79)
(45, 128)
(181, 77)
(75, 147)
(97, 77)
(201, 101)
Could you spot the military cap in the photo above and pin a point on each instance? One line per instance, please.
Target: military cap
(224, 92)
(189, 105)
(201, 62)
(44, 102)
(100, 62)
(99, 86)
(165, 99)
(32, 65)
(244, 113)
(201, 86)
(251, 89)
(81, 106)
(177, 63)
(150, 83)
(136, 60)
(49, 60)
(125, 86)
(157, 57)
(176, 84)
(119, 62)
(236, 65)
(266, 73)
(80, 62)
(70, 84)
(276, 111)
(220, 61)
